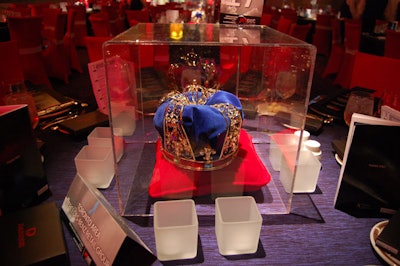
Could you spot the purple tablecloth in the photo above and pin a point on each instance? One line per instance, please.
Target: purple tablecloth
(295, 239)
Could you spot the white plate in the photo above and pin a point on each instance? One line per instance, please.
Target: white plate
(338, 160)
(375, 231)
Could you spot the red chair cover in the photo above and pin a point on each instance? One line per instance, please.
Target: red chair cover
(156, 11)
(266, 19)
(49, 22)
(186, 15)
(337, 49)
(300, 31)
(275, 18)
(39, 9)
(27, 32)
(18, 5)
(246, 173)
(392, 44)
(80, 25)
(284, 25)
(323, 34)
(379, 73)
(100, 25)
(10, 57)
(94, 46)
(228, 57)
(69, 42)
(55, 56)
(19, 11)
(138, 15)
(267, 9)
(133, 22)
(112, 18)
(289, 14)
(352, 33)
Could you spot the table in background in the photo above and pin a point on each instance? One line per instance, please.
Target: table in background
(372, 43)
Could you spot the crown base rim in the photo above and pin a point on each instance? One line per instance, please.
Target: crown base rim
(198, 165)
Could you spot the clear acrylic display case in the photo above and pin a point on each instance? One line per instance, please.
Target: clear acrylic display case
(270, 72)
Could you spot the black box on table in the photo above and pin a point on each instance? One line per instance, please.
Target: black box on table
(33, 236)
(23, 180)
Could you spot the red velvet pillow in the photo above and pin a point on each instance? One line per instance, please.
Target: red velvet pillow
(245, 173)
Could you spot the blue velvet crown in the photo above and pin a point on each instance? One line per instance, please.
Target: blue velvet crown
(199, 127)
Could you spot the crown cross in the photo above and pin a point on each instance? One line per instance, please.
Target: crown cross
(207, 152)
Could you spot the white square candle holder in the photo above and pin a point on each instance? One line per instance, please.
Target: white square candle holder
(281, 143)
(176, 229)
(101, 137)
(305, 179)
(237, 225)
(96, 165)
(124, 117)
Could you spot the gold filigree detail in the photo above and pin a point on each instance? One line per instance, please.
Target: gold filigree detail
(177, 146)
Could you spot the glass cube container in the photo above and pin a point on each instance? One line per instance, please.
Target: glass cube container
(268, 71)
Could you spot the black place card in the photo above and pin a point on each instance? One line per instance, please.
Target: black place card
(33, 236)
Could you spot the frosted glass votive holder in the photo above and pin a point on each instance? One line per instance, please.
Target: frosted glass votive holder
(96, 165)
(279, 144)
(101, 137)
(175, 229)
(123, 116)
(307, 173)
(237, 225)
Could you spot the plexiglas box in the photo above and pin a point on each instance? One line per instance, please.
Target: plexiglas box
(268, 71)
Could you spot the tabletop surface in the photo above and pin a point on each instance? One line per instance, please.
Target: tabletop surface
(332, 238)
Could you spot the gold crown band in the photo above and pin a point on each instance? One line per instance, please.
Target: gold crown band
(198, 165)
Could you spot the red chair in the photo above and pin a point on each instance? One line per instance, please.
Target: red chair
(69, 42)
(19, 11)
(186, 15)
(156, 12)
(284, 25)
(266, 19)
(112, 18)
(122, 21)
(392, 44)
(27, 32)
(337, 49)
(10, 57)
(55, 56)
(300, 31)
(49, 22)
(14, 75)
(138, 15)
(80, 26)
(323, 34)
(275, 17)
(12, 5)
(267, 9)
(94, 47)
(352, 33)
(100, 25)
(289, 14)
(379, 73)
(39, 9)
